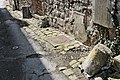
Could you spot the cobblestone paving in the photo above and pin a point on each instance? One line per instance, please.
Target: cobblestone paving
(67, 52)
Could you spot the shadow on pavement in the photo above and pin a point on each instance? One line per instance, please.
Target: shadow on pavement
(18, 60)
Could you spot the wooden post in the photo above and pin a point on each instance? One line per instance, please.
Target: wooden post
(34, 8)
(26, 12)
(16, 5)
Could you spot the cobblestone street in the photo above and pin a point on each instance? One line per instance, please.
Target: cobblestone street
(60, 40)
(64, 50)
(21, 57)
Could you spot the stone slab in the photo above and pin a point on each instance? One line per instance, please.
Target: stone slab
(96, 59)
(73, 77)
(68, 72)
(101, 15)
(72, 62)
(58, 40)
(75, 65)
(116, 63)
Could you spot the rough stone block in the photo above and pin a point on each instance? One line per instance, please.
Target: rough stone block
(73, 62)
(82, 59)
(97, 58)
(58, 40)
(73, 77)
(60, 21)
(68, 72)
(115, 75)
(62, 68)
(98, 78)
(116, 63)
(75, 65)
(113, 79)
(63, 52)
(79, 30)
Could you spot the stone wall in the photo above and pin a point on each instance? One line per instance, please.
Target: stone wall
(70, 16)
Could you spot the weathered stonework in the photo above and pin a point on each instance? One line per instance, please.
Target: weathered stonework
(68, 16)
(97, 58)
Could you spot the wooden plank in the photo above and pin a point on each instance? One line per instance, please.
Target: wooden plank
(101, 15)
(38, 7)
(34, 7)
(16, 4)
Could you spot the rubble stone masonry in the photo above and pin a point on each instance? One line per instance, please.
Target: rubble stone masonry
(70, 16)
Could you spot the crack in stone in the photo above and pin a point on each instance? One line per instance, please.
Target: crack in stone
(45, 73)
(21, 57)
